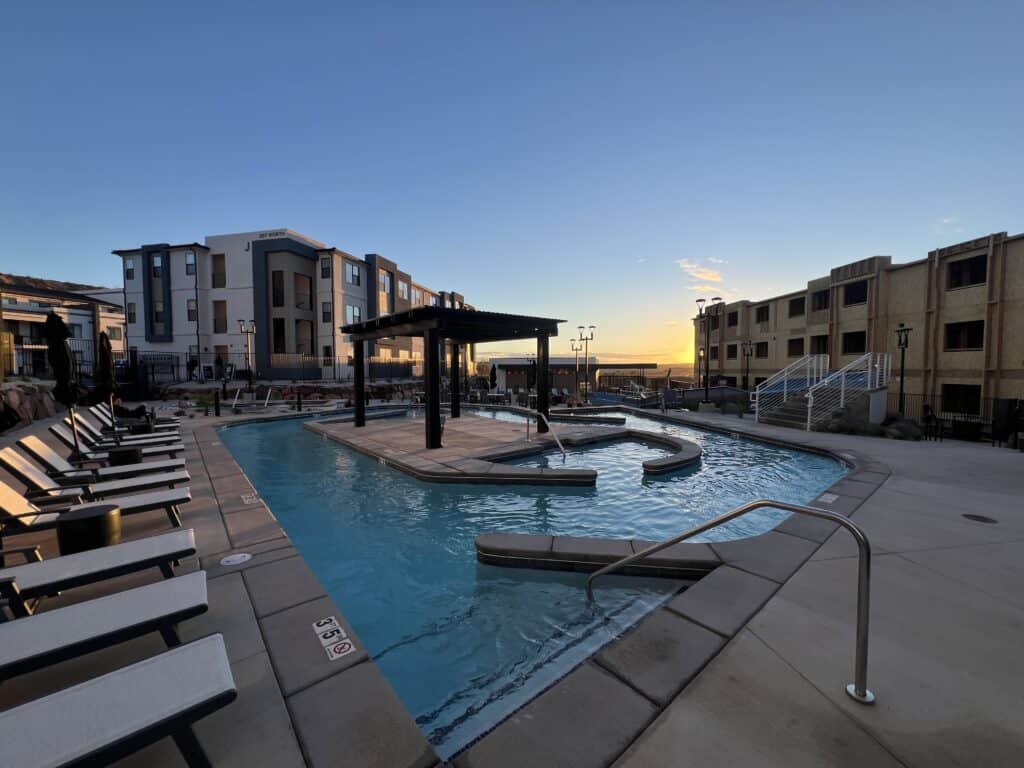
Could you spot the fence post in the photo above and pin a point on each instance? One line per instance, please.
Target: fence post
(842, 390)
(216, 402)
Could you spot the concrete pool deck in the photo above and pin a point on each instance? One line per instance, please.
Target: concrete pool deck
(947, 625)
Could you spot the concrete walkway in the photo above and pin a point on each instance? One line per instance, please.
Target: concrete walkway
(947, 628)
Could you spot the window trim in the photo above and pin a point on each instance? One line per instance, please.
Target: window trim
(192, 310)
(190, 263)
(129, 268)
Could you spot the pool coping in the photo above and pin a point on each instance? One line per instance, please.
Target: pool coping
(714, 607)
(639, 673)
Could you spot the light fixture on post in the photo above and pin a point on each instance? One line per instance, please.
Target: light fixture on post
(249, 331)
(748, 350)
(577, 349)
(586, 339)
(703, 330)
(902, 341)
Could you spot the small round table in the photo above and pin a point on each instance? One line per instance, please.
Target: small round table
(89, 526)
(123, 455)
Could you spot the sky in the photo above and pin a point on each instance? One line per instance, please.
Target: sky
(603, 163)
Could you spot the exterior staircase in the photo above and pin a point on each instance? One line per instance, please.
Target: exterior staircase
(791, 413)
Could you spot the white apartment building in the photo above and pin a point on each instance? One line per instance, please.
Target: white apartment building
(200, 302)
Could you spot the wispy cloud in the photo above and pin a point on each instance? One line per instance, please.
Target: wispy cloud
(705, 288)
(699, 272)
(641, 260)
(713, 260)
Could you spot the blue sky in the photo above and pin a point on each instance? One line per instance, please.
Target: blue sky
(598, 162)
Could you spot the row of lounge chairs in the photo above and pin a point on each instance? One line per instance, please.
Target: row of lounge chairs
(118, 713)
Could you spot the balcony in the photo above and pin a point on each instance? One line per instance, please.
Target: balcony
(304, 301)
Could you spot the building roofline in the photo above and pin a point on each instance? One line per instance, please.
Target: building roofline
(127, 251)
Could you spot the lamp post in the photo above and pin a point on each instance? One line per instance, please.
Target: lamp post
(577, 350)
(249, 331)
(705, 315)
(586, 357)
(700, 363)
(902, 341)
(748, 350)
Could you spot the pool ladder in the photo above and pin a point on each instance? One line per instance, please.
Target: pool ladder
(858, 689)
(551, 430)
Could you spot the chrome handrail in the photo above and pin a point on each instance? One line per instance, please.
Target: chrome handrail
(858, 689)
(550, 429)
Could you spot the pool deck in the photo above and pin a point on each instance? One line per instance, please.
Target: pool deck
(947, 626)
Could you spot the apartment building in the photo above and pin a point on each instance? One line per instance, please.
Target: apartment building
(964, 302)
(24, 305)
(201, 302)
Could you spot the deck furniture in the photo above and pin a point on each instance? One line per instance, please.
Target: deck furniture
(39, 578)
(63, 433)
(43, 639)
(93, 435)
(88, 526)
(109, 717)
(58, 467)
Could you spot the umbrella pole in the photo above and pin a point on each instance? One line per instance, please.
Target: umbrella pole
(113, 416)
(74, 431)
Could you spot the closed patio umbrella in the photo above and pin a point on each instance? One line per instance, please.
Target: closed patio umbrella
(106, 379)
(68, 390)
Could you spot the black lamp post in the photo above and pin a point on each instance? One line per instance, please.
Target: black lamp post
(902, 341)
(748, 350)
(249, 331)
(586, 357)
(577, 350)
(700, 364)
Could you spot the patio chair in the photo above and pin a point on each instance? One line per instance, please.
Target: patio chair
(63, 433)
(46, 638)
(41, 486)
(23, 586)
(112, 716)
(93, 435)
(105, 407)
(107, 424)
(59, 467)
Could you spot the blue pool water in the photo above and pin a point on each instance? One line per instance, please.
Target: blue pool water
(465, 644)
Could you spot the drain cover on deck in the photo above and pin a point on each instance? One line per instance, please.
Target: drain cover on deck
(236, 559)
(981, 519)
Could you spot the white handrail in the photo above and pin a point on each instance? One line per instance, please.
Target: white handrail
(795, 378)
(869, 371)
(550, 429)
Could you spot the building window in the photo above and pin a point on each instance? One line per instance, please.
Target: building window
(353, 314)
(403, 290)
(191, 310)
(303, 287)
(969, 335)
(972, 271)
(130, 311)
(385, 282)
(761, 349)
(76, 330)
(327, 354)
(280, 344)
(433, 301)
(714, 352)
(855, 293)
(732, 319)
(795, 347)
(218, 273)
(384, 296)
(325, 311)
(713, 322)
(114, 333)
(158, 311)
(820, 300)
(129, 269)
(730, 351)
(761, 314)
(819, 345)
(855, 343)
(277, 288)
(417, 297)
(325, 268)
(797, 306)
(353, 274)
(158, 265)
(220, 317)
(190, 263)
(961, 398)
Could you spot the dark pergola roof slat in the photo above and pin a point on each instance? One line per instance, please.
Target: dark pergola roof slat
(464, 325)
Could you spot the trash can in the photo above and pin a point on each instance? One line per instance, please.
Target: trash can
(88, 526)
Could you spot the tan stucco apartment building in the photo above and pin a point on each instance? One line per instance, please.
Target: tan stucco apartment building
(964, 302)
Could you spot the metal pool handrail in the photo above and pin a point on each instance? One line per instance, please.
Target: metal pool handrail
(858, 689)
(550, 429)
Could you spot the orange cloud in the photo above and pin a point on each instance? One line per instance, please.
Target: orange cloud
(698, 272)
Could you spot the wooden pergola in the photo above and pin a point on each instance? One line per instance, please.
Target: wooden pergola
(458, 327)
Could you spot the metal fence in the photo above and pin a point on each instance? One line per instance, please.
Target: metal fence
(960, 417)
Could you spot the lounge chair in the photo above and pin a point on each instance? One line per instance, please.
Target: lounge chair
(39, 578)
(63, 433)
(46, 638)
(59, 467)
(110, 717)
(98, 439)
(107, 424)
(174, 420)
(43, 487)
(19, 515)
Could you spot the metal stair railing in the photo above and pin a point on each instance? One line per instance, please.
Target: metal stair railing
(858, 689)
(792, 380)
(869, 371)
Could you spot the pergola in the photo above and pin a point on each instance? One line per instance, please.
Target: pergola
(457, 326)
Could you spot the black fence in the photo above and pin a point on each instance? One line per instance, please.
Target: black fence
(962, 418)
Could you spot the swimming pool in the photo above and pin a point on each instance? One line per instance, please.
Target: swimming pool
(465, 644)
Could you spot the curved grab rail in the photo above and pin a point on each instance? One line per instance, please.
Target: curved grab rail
(550, 429)
(858, 689)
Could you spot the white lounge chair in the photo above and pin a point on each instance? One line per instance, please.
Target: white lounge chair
(24, 585)
(103, 417)
(109, 717)
(63, 433)
(46, 638)
(42, 487)
(95, 437)
(160, 419)
(59, 467)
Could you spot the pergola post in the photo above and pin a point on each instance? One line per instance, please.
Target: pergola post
(432, 386)
(543, 383)
(455, 376)
(359, 378)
